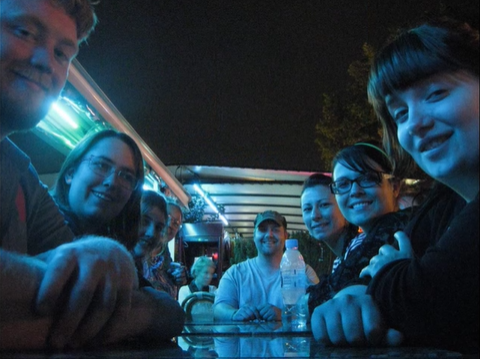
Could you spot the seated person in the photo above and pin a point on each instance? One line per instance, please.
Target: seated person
(202, 272)
(158, 267)
(252, 289)
(55, 292)
(366, 193)
(424, 291)
(99, 189)
(152, 227)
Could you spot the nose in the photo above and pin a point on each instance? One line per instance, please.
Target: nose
(43, 58)
(419, 121)
(111, 179)
(317, 214)
(356, 189)
(150, 230)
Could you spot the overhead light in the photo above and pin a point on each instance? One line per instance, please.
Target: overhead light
(210, 203)
(60, 112)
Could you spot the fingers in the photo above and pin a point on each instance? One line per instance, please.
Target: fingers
(393, 338)
(61, 269)
(404, 244)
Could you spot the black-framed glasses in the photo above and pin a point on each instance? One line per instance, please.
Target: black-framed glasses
(104, 168)
(368, 180)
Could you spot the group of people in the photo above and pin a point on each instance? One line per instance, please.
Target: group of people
(86, 265)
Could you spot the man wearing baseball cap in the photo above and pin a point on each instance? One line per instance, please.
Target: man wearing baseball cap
(252, 289)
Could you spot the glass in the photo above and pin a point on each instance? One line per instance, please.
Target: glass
(104, 168)
(367, 180)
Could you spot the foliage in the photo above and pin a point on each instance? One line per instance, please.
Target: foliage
(196, 211)
(348, 118)
(243, 249)
(315, 254)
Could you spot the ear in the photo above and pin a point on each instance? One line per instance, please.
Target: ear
(396, 186)
(69, 176)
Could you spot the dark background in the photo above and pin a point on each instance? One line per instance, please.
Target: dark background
(237, 83)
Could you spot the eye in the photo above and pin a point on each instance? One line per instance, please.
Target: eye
(437, 95)
(324, 205)
(342, 184)
(400, 115)
(62, 56)
(24, 32)
(101, 165)
(307, 209)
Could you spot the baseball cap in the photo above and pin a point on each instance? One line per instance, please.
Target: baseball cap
(270, 215)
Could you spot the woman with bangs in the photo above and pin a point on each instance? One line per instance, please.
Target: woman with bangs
(424, 87)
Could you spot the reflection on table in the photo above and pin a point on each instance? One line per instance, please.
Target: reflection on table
(235, 340)
(272, 340)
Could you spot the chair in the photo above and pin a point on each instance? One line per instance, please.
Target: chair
(198, 306)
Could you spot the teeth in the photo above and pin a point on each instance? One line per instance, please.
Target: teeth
(360, 205)
(102, 196)
(435, 142)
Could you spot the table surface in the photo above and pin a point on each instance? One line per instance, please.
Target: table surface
(238, 340)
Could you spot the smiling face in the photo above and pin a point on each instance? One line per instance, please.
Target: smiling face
(321, 214)
(38, 43)
(95, 199)
(151, 230)
(362, 206)
(437, 124)
(269, 238)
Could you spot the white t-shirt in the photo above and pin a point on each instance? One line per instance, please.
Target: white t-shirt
(244, 283)
(185, 291)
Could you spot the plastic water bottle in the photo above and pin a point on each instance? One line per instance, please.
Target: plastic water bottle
(292, 269)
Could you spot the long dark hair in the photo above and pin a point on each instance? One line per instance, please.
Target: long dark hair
(360, 157)
(442, 45)
(124, 227)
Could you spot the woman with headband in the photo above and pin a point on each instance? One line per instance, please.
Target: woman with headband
(424, 87)
(365, 192)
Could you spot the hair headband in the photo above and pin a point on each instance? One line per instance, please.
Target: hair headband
(374, 147)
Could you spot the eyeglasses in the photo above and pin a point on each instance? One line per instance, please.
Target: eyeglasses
(177, 224)
(368, 180)
(104, 168)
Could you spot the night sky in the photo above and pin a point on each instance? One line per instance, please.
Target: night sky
(236, 83)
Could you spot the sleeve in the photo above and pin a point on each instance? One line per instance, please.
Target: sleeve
(312, 277)
(227, 291)
(46, 226)
(183, 293)
(433, 299)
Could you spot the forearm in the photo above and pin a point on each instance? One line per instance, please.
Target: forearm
(154, 314)
(224, 312)
(20, 278)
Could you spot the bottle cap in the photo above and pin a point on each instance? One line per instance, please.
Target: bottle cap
(291, 243)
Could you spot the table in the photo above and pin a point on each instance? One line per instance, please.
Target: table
(236, 340)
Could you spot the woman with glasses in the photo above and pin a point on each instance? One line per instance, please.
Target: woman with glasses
(99, 187)
(424, 87)
(365, 192)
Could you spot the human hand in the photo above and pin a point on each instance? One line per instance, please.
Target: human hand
(88, 286)
(352, 320)
(388, 253)
(246, 312)
(269, 312)
(179, 273)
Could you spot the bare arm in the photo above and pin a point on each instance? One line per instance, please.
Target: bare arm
(227, 312)
(150, 313)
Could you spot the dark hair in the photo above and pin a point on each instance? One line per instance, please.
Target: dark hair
(124, 226)
(442, 45)
(82, 12)
(152, 199)
(360, 157)
(316, 179)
